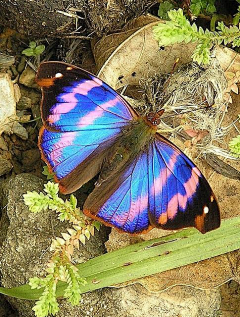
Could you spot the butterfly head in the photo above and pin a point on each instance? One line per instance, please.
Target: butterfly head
(154, 118)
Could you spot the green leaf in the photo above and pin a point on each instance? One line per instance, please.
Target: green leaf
(73, 201)
(47, 173)
(196, 8)
(28, 52)
(36, 202)
(51, 189)
(201, 55)
(32, 44)
(236, 42)
(234, 146)
(39, 49)
(97, 225)
(236, 19)
(164, 7)
(147, 258)
(211, 8)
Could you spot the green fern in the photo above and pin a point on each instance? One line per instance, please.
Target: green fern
(178, 29)
(60, 267)
(164, 8)
(234, 146)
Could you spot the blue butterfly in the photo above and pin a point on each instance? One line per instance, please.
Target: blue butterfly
(145, 181)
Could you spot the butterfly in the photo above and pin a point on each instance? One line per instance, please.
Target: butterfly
(145, 181)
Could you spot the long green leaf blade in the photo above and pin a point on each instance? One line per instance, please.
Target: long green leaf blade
(147, 258)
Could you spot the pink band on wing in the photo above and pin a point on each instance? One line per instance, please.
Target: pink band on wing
(63, 107)
(141, 204)
(159, 182)
(138, 206)
(65, 140)
(93, 115)
(68, 100)
(172, 161)
(181, 200)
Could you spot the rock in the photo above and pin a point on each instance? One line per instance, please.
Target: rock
(27, 78)
(30, 158)
(15, 127)
(5, 166)
(135, 301)
(7, 101)
(6, 60)
(25, 250)
(37, 114)
(3, 144)
(20, 131)
(5, 308)
(24, 103)
(21, 65)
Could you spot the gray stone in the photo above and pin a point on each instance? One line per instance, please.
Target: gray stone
(19, 130)
(5, 166)
(30, 158)
(24, 103)
(27, 78)
(6, 60)
(7, 101)
(3, 144)
(25, 249)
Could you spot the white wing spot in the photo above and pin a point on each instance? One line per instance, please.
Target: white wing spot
(58, 75)
(69, 68)
(205, 209)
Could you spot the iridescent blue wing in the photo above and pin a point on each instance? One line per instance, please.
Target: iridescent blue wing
(179, 195)
(82, 118)
(122, 200)
(160, 188)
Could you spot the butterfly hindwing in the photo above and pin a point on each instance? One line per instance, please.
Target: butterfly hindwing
(82, 118)
(122, 200)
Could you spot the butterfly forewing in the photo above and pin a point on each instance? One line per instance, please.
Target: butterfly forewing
(82, 118)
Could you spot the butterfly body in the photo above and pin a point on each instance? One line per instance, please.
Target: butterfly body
(133, 140)
(145, 181)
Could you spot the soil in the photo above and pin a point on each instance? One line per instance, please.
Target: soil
(15, 32)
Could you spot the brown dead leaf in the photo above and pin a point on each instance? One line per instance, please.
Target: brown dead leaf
(107, 45)
(136, 56)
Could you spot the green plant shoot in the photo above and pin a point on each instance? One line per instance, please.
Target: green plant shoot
(34, 49)
(60, 267)
(178, 29)
(234, 146)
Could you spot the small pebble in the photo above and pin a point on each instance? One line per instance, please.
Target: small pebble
(27, 78)
(6, 60)
(3, 144)
(5, 166)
